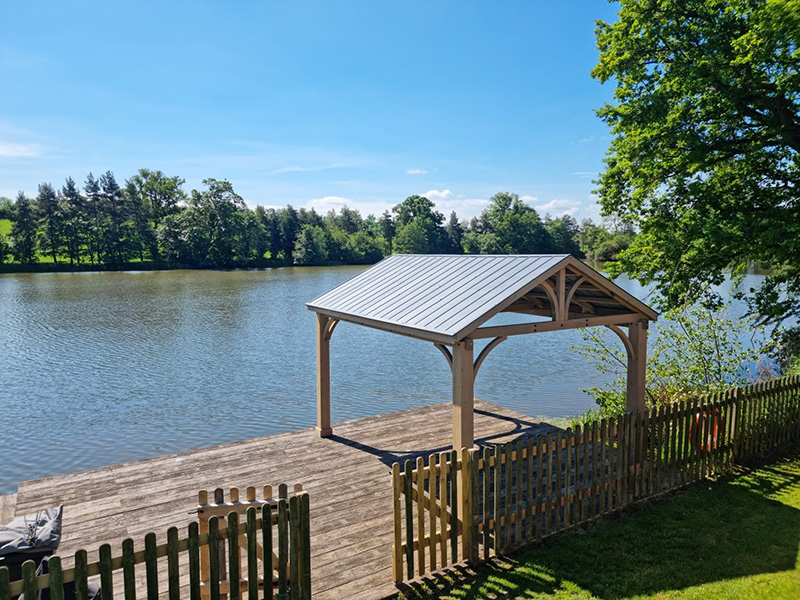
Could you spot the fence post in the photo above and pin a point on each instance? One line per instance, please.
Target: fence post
(468, 533)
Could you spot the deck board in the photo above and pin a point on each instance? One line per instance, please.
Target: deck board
(347, 477)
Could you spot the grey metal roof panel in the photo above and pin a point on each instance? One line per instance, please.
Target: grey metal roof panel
(440, 294)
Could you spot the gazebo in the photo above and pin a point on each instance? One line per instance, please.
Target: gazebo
(446, 300)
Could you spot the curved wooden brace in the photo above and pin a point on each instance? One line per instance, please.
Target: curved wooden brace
(329, 328)
(484, 353)
(625, 340)
(571, 292)
(447, 354)
(553, 297)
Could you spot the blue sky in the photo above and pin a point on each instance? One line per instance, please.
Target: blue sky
(310, 103)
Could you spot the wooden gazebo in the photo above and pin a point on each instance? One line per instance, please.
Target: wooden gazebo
(447, 299)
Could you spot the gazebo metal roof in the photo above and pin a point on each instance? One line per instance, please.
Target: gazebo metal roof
(444, 299)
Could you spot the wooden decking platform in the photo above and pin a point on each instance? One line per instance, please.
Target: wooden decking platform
(347, 477)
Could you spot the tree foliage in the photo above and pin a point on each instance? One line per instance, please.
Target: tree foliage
(705, 157)
(152, 219)
(692, 350)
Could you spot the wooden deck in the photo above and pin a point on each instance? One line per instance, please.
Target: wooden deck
(347, 477)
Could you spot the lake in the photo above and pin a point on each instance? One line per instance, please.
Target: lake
(101, 368)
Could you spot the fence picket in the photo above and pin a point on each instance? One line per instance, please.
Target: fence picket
(81, 575)
(128, 577)
(419, 474)
(454, 499)
(267, 549)
(433, 494)
(56, 580)
(106, 575)
(541, 501)
(570, 499)
(487, 508)
(30, 586)
(193, 548)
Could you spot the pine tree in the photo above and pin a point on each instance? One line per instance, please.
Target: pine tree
(23, 231)
(51, 221)
(76, 221)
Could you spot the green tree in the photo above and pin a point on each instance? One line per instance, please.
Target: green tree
(152, 196)
(119, 234)
(289, 226)
(514, 227)
(5, 248)
(311, 247)
(414, 238)
(6, 208)
(271, 223)
(24, 231)
(386, 225)
(76, 223)
(51, 221)
(93, 206)
(455, 234)
(705, 157)
(419, 228)
(563, 232)
(692, 350)
(220, 212)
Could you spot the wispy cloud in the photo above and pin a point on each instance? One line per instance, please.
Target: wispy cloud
(416, 172)
(310, 169)
(584, 174)
(14, 150)
(559, 206)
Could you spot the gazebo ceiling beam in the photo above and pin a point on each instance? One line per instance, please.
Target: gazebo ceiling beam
(573, 323)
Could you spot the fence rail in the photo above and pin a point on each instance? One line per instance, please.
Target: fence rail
(471, 504)
(282, 524)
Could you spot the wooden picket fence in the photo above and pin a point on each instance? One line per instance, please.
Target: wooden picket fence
(277, 529)
(472, 504)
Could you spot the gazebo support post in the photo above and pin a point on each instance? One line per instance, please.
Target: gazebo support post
(637, 365)
(323, 377)
(463, 398)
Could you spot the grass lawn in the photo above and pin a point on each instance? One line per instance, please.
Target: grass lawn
(736, 538)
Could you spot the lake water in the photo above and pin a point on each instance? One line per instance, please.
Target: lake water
(101, 368)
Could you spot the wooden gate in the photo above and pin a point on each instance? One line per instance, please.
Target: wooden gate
(284, 554)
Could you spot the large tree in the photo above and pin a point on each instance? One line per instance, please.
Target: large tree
(705, 155)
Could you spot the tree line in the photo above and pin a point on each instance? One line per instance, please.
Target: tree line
(151, 219)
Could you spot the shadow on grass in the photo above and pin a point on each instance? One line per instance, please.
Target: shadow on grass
(708, 533)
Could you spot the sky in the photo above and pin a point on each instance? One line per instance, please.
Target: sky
(314, 104)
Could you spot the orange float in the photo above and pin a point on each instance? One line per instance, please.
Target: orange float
(705, 422)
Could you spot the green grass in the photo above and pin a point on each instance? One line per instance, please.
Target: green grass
(732, 539)
(5, 226)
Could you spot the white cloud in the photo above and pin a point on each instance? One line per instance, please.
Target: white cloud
(559, 207)
(438, 196)
(529, 199)
(416, 172)
(584, 174)
(12, 150)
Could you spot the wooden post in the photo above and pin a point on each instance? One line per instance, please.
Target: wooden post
(637, 365)
(463, 399)
(323, 378)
